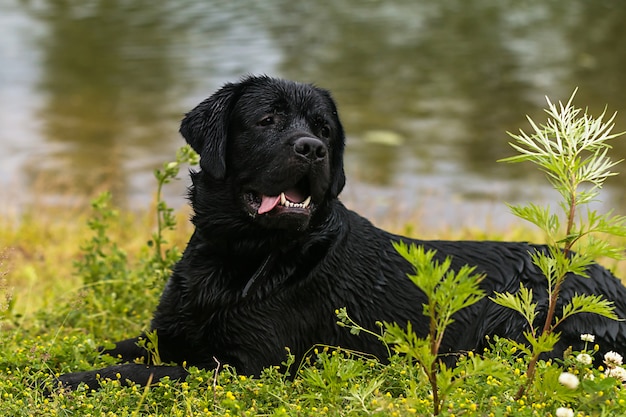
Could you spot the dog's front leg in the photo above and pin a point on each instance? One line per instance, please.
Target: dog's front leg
(125, 373)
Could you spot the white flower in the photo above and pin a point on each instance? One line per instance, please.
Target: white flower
(587, 338)
(569, 380)
(612, 359)
(617, 373)
(590, 376)
(584, 358)
(564, 412)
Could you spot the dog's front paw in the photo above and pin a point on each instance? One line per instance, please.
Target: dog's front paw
(73, 380)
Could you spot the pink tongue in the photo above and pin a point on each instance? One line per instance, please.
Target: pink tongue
(268, 203)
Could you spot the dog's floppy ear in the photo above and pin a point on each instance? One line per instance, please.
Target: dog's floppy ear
(205, 128)
(339, 175)
(336, 159)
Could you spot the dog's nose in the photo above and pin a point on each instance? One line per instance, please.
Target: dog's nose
(310, 148)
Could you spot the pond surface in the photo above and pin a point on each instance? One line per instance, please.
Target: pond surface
(91, 92)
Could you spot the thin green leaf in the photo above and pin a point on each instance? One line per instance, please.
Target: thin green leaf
(522, 302)
(586, 303)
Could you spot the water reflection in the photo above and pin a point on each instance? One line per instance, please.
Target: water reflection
(443, 79)
(107, 85)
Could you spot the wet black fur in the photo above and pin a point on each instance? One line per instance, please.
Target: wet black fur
(249, 286)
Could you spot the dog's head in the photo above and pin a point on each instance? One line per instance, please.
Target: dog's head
(279, 143)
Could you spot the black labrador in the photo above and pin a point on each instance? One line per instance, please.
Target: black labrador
(275, 253)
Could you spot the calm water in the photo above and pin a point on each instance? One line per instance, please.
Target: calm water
(91, 92)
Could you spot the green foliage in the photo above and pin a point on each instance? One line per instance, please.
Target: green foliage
(334, 383)
(151, 344)
(7, 302)
(118, 292)
(571, 148)
(162, 258)
(447, 292)
(102, 259)
(346, 321)
(595, 304)
(521, 302)
(110, 284)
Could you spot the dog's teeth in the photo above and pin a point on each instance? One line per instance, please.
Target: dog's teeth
(286, 203)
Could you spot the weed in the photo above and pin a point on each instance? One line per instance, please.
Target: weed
(571, 148)
(163, 259)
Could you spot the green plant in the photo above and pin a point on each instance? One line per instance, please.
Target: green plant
(163, 259)
(151, 344)
(102, 259)
(447, 292)
(571, 148)
(355, 328)
(111, 281)
(106, 275)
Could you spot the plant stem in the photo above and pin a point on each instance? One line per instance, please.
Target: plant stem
(434, 349)
(530, 375)
(548, 327)
(157, 241)
(432, 377)
(571, 215)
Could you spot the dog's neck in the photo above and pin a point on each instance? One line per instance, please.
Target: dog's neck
(264, 259)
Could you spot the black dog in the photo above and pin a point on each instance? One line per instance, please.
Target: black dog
(275, 253)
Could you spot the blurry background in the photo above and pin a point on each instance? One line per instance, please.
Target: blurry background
(92, 91)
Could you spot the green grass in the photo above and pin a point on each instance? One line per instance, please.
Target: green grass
(54, 322)
(72, 280)
(38, 251)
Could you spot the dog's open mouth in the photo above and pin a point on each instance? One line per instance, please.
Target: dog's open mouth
(289, 200)
(293, 200)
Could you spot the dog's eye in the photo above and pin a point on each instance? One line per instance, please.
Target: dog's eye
(269, 120)
(325, 131)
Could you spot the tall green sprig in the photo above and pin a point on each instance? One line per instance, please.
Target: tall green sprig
(571, 148)
(166, 220)
(111, 280)
(447, 292)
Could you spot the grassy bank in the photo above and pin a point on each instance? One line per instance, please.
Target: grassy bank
(53, 318)
(39, 250)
